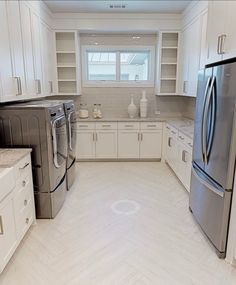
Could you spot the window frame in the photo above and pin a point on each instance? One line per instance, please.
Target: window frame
(118, 83)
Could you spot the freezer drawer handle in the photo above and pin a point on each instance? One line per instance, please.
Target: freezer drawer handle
(207, 184)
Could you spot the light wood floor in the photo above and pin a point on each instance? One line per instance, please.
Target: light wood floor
(92, 243)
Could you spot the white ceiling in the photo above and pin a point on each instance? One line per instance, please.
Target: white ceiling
(132, 6)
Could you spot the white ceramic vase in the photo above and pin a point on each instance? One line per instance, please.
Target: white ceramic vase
(143, 105)
(132, 109)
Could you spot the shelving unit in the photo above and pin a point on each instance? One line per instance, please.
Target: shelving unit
(168, 49)
(67, 65)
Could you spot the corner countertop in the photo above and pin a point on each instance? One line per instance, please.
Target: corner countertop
(10, 156)
(186, 126)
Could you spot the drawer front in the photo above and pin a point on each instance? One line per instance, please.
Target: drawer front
(23, 197)
(128, 126)
(151, 126)
(85, 126)
(23, 167)
(185, 139)
(25, 220)
(106, 126)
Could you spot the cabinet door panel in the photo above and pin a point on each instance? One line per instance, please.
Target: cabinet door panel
(8, 238)
(106, 144)
(151, 144)
(229, 46)
(215, 27)
(36, 35)
(128, 144)
(28, 50)
(14, 23)
(85, 148)
(7, 82)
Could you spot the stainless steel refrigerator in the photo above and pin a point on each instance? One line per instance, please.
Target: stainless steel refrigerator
(214, 152)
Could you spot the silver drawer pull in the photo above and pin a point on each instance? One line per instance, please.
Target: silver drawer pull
(25, 202)
(184, 159)
(23, 167)
(181, 138)
(129, 126)
(106, 126)
(168, 128)
(190, 144)
(23, 183)
(152, 126)
(173, 132)
(83, 126)
(1, 226)
(27, 220)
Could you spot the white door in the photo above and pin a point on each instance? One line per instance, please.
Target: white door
(215, 28)
(36, 35)
(106, 144)
(8, 88)
(85, 148)
(28, 49)
(229, 45)
(13, 11)
(8, 238)
(151, 144)
(128, 144)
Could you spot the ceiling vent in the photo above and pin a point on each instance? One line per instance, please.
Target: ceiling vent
(117, 6)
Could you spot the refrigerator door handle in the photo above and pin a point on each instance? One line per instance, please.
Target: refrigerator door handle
(205, 181)
(213, 117)
(203, 135)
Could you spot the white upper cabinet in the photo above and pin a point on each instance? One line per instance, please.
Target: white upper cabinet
(36, 32)
(28, 49)
(47, 59)
(14, 24)
(8, 90)
(221, 33)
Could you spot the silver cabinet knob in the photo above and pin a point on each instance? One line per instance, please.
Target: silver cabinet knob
(27, 220)
(25, 202)
(23, 183)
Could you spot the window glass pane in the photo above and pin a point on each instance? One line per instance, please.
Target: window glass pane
(101, 65)
(134, 65)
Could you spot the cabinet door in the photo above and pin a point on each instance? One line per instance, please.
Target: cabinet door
(8, 238)
(185, 164)
(85, 148)
(128, 144)
(106, 144)
(8, 88)
(185, 40)
(229, 45)
(194, 50)
(203, 53)
(46, 59)
(28, 49)
(14, 23)
(216, 26)
(36, 35)
(151, 144)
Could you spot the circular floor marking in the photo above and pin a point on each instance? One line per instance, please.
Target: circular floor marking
(125, 207)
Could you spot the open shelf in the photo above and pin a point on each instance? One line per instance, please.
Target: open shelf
(66, 62)
(168, 63)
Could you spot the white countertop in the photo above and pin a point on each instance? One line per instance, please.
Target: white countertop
(10, 156)
(186, 126)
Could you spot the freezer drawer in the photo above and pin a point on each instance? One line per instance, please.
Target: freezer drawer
(210, 206)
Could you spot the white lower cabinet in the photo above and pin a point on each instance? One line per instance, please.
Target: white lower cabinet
(8, 238)
(179, 154)
(128, 144)
(106, 144)
(122, 140)
(17, 210)
(85, 148)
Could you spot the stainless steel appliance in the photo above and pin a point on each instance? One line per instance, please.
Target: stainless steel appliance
(214, 152)
(43, 128)
(70, 113)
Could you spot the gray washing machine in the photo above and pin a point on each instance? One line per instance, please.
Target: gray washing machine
(43, 128)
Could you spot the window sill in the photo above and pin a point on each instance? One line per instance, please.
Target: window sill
(102, 84)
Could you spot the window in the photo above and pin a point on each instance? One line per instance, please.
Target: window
(118, 67)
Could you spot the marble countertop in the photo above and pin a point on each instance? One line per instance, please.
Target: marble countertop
(186, 126)
(10, 156)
